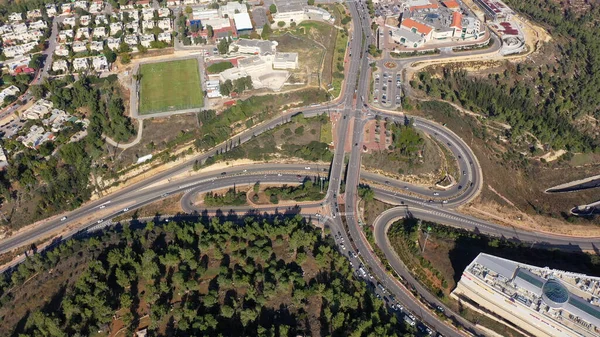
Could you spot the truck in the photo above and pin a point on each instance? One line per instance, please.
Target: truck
(409, 320)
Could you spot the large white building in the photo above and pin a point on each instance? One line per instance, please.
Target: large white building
(259, 47)
(541, 301)
(285, 61)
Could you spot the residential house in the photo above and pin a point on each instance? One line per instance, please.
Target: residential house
(3, 159)
(134, 15)
(38, 110)
(131, 40)
(60, 66)
(65, 34)
(66, 8)
(69, 21)
(101, 20)
(61, 50)
(97, 6)
(36, 137)
(82, 33)
(128, 6)
(6, 29)
(173, 3)
(99, 33)
(165, 24)
(164, 12)
(100, 63)
(80, 64)
(79, 46)
(57, 120)
(115, 27)
(113, 43)
(19, 50)
(132, 27)
(15, 17)
(20, 28)
(190, 2)
(10, 91)
(84, 20)
(97, 45)
(147, 14)
(146, 39)
(147, 25)
(213, 89)
(51, 10)
(39, 24)
(17, 63)
(34, 14)
(164, 37)
(81, 4)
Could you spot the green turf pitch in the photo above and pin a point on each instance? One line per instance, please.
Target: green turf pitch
(169, 86)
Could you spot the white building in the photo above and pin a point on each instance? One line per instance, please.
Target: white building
(80, 64)
(147, 14)
(19, 50)
(115, 27)
(66, 8)
(69, 21)
(65, 34)
(164, 12)
(146, 40)
(97, 45)
(232, 8)
(96, 7)
(100, 63)
(39, 24)
(248, 46)
(38, 110)
(173, 3)
(34, 14)
(51, 10)
(79, 46)
(61, 50)
(81, 4)
(165, 24)
(213, 89)
(60, 65)
(101, 20)
(285, 61)
(15, 17)
(113, 43)
(10, 91)
(82, 33)
(99, 33)
(147, 25)
(242, 22)
(164, 37)
(131, 40)
(133, 27)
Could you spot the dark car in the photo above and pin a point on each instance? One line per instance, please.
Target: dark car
(223, 173)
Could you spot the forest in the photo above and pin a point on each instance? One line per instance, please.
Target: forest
(277, 277)
(549, 98)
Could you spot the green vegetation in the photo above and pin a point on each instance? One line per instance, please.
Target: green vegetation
(62, 181)
(261, 278)
(169, 86)
(238, 86)
(415, 53)
(407, 142)
(252, 110)
(219, 67)
(307, 191)
(365, 192)
(548, 99)
(229, 198)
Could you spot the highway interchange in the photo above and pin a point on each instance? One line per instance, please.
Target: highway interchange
(342, 214)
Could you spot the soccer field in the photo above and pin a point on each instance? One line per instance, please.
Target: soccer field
(169, 86)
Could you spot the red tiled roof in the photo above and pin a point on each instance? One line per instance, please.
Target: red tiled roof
(451, 4)
(456, 20)
(421, 28)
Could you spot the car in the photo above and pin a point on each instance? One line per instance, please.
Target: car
(445, 202)
(387, 182)
(343, 247)
(100, 221)
(125, 209)
(378, 296)
(464, 173)
(460, 187)
(279, 174)
(63, 218)
(298, 176)
(102, 206)
(405, 187)
(223, 173)
(397, 97)
(436, 193)
(307, 168)
(459, 157)
(383, 102)
(245, 171)
(355, 144)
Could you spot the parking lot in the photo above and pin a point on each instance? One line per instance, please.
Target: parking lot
(387, 89)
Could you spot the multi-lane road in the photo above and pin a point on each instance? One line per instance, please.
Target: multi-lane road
(342, 215)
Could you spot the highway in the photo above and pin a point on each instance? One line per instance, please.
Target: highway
(345, 168)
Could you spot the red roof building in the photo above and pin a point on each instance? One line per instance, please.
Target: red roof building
(456, 21)
(416, 26)
(451, 4)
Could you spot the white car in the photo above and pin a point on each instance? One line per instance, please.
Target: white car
(63, 218)
(100, 221)
(102, 206)
(307, 168)
(436, 193)
(125, 209)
